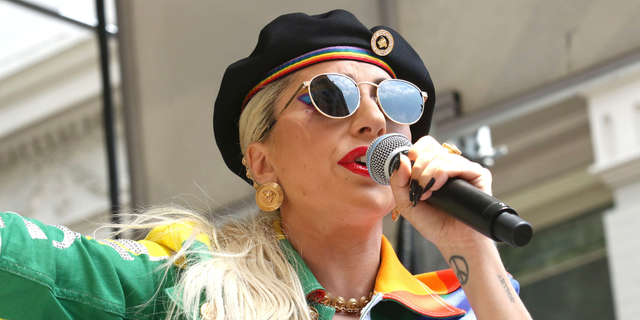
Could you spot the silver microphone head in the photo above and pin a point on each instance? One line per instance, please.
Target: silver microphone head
(380, 154)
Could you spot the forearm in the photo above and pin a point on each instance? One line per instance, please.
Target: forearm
(472, 256)
(68, 274)
(485, 281)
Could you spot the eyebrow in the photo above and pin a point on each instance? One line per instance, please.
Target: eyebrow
(376, 81)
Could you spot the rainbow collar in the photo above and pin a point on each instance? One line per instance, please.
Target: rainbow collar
(433, 295)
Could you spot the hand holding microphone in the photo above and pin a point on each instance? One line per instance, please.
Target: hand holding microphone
(456, 197)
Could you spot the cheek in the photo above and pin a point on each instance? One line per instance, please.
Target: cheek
(294, 146)
(306, 126)
(309, 111)
(393, 127)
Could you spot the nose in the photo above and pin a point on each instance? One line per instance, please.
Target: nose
(369, 119)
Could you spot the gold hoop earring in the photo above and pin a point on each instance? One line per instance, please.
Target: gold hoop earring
(269, 196)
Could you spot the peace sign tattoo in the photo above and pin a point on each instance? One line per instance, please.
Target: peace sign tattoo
(460, 268)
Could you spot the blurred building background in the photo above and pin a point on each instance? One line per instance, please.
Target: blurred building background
(546, 92)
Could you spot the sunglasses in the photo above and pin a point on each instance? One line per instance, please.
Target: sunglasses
(338, 96)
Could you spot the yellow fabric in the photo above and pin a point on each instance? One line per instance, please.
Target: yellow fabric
(165, 240)
(441, 282)
(395, 283)
(277, 226)
(392, 276)
(173, 235)
(155, 249)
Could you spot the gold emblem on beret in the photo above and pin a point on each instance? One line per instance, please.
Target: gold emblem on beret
(382, 42)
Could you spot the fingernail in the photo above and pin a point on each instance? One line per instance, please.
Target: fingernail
(412, 190)
(417, 195)
(429, 185)
(396, 165)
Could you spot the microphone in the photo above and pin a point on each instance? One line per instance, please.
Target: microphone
(456, 197)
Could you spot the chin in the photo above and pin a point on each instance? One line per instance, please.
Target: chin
(377, 206)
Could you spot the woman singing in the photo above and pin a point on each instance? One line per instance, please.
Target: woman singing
(294, 119)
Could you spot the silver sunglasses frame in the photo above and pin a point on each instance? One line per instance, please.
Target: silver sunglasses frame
(307, 85)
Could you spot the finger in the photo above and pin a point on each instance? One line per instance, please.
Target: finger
(472, 172)
(478, 176)
(441, 168)
(422, 162)
(436, 174)
(425, 144)
(443, 172)
(400, 182)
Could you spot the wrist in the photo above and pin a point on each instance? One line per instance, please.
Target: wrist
(471, 243)
(481, 254)
(480, 271)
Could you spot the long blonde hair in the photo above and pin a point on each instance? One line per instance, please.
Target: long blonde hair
(248, 275)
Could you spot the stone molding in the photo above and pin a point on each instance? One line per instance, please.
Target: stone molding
(614, 115)
(51, 103)
(619, 172)
(52, 156)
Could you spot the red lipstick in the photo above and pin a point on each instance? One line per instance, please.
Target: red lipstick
(348, 161)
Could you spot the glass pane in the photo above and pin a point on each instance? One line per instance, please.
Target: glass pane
(563, 271)
(401, 101)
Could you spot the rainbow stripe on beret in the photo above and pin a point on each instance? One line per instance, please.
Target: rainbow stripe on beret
(325, 54)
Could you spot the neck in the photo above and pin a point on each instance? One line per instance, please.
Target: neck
(343, 258)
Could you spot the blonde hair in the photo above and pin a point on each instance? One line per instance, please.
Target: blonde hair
(248, 275)
(259, 112)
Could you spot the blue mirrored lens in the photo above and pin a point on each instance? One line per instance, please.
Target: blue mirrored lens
(401, 101)
(335, 95)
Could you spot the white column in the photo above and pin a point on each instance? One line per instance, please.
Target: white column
(614, 115)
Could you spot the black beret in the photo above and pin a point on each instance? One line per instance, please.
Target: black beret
(291, 36)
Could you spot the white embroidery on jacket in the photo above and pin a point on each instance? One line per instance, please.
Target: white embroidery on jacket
(34, 231)
(123, 253)
(69, 237)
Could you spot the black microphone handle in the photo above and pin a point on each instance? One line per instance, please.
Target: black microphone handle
(481, 212)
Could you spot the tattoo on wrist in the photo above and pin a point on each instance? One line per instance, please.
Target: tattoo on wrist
(460, 268)
(506, 288)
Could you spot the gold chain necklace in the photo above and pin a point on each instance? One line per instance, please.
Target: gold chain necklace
(342, 305)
